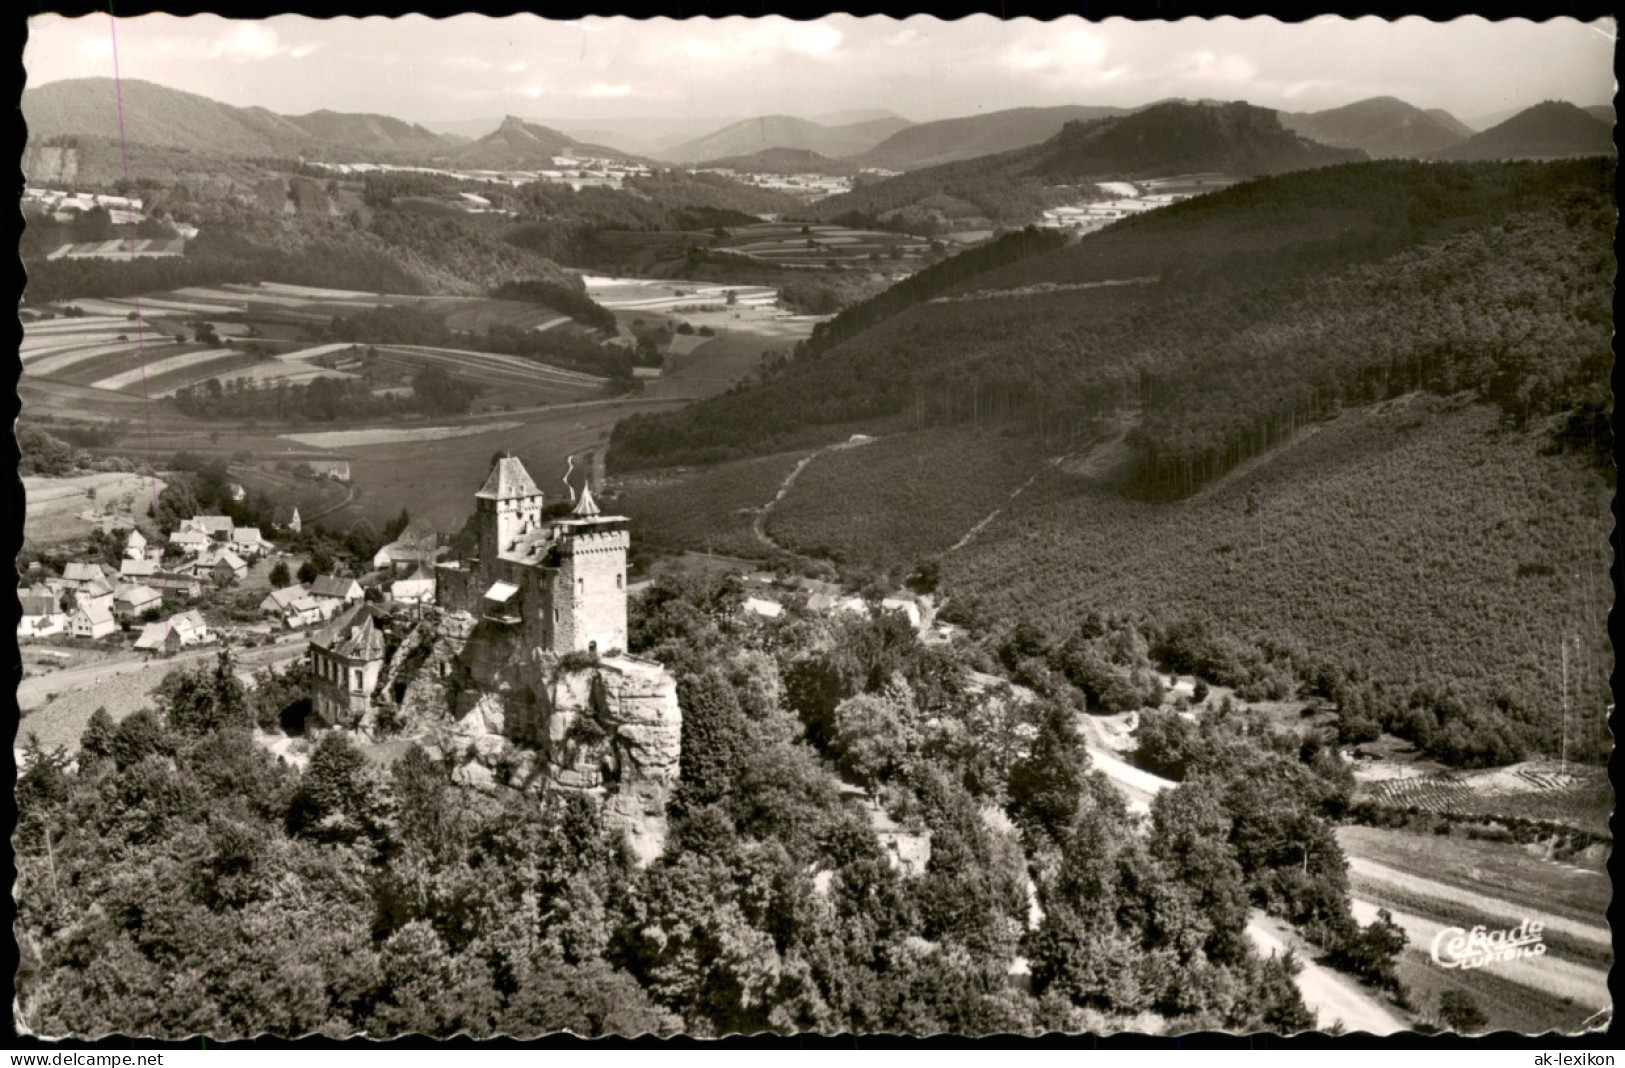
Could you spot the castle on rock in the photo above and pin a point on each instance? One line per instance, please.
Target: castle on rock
(559, 585)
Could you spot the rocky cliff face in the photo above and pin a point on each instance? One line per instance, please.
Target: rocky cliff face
(519, 717)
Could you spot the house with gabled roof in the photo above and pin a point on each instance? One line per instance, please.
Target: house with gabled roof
(42, 615)
(248, 541)
(217, 527)
(190, 540)
(137, 568)
(417, 588)
(135, 545)
(92, 620)
(277, 601)
(136, 601)
(333, 587)
(78, 572)
(158, 638)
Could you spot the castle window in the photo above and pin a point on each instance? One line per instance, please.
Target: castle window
(618, 581)
(357, 684)
(581, 587)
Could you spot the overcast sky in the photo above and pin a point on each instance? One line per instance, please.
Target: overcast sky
(922, 68)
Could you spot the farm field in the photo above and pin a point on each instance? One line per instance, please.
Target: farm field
(339, 439)
(1575, 795)
(61, 509)
(787, 244)
(86, 350)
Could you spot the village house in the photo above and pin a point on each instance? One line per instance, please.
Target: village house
(133, 602)
(761, 606)
(97, 591)
(189, 540)
(277, 601)
(217, 527)
(247, 541)
(135, 546)
(228, 568)
(42, 616)
(297, 608)
(137, 568)
(159, 638)
(346, 660)
(77, 573)
(286, 517)
(334, 588)
(417, 588)
(191, 626)
(418, 545)
(93, 620)
(174, 582)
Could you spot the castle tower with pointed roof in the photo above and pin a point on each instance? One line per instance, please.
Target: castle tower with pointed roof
(562, 583)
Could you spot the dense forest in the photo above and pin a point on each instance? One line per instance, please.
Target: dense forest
(1254, 312)
(233, 894)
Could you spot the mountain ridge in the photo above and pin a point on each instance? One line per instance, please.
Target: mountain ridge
(1381, 126)
(784, 131)
(1551, 129)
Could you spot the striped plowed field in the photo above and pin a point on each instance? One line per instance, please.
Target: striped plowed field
(1577, 796)
(166, 383)
(544, 388)
(129, 358)
(148, 371)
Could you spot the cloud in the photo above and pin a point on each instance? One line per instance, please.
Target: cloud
(1209, 66)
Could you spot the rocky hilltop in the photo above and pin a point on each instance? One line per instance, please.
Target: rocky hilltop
(518, 717)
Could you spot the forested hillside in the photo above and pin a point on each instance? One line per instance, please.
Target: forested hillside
(1270, 305)
(928, 144)
(237, 894)
(1012, 188)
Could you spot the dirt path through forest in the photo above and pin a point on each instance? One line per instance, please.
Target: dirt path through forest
(1332, 997)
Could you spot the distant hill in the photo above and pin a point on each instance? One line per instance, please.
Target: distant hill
(521, 145)
(784, 131)
(369, 131)
(853, 116)
(148, 115)
(1601, 112)
(1012, 188)
(1382, 127)
(949, 140)
(1550, 130)
(1451, 123)
(783, 161)
(1177, 138)
(142, 112)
